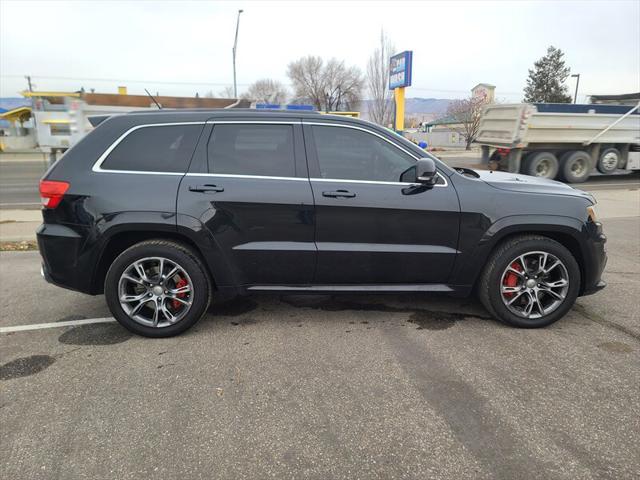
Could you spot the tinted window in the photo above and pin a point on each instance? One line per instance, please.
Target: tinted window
(346, 153)
(155, 149)
(252, 150)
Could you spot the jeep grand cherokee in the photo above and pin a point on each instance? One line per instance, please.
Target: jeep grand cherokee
(161, 211)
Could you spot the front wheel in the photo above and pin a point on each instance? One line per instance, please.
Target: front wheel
(530, 282)
(609, 160)
(157, 288)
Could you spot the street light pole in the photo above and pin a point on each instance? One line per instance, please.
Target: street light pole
(577, 77)
(235, 46)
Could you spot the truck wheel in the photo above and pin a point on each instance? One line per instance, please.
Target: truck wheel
(541, 164)
(576, 166)
(529, 281)
(609, 160)
(157, 288)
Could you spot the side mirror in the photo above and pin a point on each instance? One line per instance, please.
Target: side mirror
(426, 172)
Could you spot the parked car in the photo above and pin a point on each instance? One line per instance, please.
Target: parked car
(163, 211)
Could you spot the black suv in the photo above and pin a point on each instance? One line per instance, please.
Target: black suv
(160, 211)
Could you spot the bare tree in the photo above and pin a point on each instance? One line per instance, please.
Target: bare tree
(466, 117)
(342, 86)
(306, 76)
(330, 86)
(226, 92)
(381, 106)
(267, 91)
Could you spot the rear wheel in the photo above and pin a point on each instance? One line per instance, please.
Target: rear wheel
(541, 164)
(609, 160)
(576, 166)
(530, 282)
(157, 288)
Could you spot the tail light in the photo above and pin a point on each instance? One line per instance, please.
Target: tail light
(51, 192)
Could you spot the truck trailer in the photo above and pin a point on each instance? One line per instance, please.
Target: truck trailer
(558, 140)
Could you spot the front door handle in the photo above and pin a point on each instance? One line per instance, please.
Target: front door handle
(205, 188)
(339, 194)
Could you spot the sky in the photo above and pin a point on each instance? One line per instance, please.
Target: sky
(180, 48)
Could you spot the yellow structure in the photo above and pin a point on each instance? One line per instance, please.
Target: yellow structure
(398, 94)
(29, 94)
(20, 114)
(344, 114)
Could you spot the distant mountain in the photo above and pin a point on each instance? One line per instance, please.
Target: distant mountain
(430, 108)
(426, 105)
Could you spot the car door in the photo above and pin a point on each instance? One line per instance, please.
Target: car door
(252, 193)
(373, 226)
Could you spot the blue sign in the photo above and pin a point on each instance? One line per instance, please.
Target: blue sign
(276, 106)
(400, 70)
(300, 107)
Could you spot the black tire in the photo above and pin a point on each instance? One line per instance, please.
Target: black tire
(175, 252)
(541, 164)
(576, 166)
(489, 286)
(609, 160)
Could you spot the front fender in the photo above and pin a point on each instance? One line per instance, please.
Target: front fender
(474, 256)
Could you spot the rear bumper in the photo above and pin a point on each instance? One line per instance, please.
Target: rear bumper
(63, 262)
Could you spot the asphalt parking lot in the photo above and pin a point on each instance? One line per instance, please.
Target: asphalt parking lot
(324, 387)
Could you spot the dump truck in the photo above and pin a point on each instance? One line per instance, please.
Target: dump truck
(563, 141)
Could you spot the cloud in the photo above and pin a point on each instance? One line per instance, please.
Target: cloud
(456, 44)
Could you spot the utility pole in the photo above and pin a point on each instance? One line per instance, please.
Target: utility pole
(577, 77)
(28, 77)
(235, 46)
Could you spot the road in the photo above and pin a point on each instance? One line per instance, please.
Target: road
(398, 386)
(19, 181)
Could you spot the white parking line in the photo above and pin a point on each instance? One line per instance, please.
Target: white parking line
(40, 326)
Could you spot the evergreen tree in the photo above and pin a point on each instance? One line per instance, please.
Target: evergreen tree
(546, 80)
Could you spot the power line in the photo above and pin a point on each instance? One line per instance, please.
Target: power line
(122, 80)
(216, 84)
(205, 83)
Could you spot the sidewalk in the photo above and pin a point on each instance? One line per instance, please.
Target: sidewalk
(19, 225)
(457, 152)
(26, 156)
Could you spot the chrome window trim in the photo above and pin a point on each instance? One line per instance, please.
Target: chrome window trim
(378, 182)
(326, 124)
(97, 166)
(257, 177)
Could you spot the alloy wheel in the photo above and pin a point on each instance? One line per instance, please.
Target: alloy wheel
(155, 292)
(534, 284)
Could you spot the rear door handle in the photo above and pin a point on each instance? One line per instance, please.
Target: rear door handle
(205, 188)
(339, 194)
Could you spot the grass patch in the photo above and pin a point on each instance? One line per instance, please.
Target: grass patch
(18, 246)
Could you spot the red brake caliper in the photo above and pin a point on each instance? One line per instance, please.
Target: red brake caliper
(179, 284)
(511, 279)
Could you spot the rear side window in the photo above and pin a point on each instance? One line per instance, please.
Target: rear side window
(155, 149)
(241, 149)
